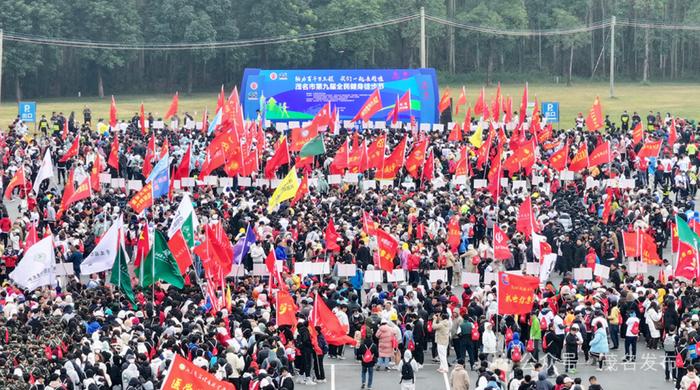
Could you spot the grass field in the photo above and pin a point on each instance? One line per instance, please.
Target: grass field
(679, 99)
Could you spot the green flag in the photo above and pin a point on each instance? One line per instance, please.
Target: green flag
(160, 264)
(187, 229)
(314, 147)
(120, 275)
(686, 234)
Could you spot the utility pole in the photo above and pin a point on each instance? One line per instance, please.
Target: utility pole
(2, 39)
(423, 58)
(612, 58)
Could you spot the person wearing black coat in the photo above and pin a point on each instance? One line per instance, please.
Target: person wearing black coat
(303, 342)
(419, 338)
(368, 367)
(670, 316)
(579, 255)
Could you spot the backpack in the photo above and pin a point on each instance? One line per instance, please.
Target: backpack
(516, 355)
(544, 343)
(368, 356)
(509, 335)
(530, 347)
(543, 324)
(475, 333)
(635, 328)
(679, 360)
(407, 371)
(669, 343)
(411, 345)
(429, 326)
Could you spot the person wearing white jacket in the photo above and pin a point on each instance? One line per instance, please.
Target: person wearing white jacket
(652, 316)
(489, 341)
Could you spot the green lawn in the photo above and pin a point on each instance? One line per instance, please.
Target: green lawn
(679, 99)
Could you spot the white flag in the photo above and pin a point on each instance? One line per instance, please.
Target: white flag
(183, 211)
(45, 172)
(537, 240)
(102, 257)
(36, 268)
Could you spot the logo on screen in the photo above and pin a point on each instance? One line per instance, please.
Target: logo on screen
(273, 76)
(253, 85)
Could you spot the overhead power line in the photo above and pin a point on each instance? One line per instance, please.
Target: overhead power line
(519, 33)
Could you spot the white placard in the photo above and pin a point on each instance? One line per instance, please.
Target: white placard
(320, 268)
(547, 266)
(470, 278)
(532, 268)
(480, 183)
(397, 275)
(187, 182)
(424, 127)
(225, 182)
(627, 183)
(334, 179)
(245, 181)
(134, 185)
(614, 182)
(566, 175)
(211, 180)
(351, 178)
(260, 269)
(519, 184)
(189, 124)
(173, 124)
(63, 269)
(504, 182)
(347, 270)
(637, 267)
(438, 183)
(536, 180)
(602, 270)
(200, 183)
(439, 127)
(592, 184)
(373, 276)
(409, 185)
(386, 183)
(293, 124)
(274, 183)
(490, 277)
(302, 267)
(368, 125)
(105, 178)
(348, 124)
(438, 274)
(118, 183)
(123, 126)
(459, 180)
(281, 126)
(369, 185)
(176, 184)
(158, 125)
(584, 273)
(380, 124)
(262, 182)
(237, 270)
(313, 182)
(199, 125)
(450, 125)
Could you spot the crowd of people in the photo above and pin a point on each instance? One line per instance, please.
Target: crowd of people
(85, 333)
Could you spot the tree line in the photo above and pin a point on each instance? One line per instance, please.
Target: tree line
(46, 70)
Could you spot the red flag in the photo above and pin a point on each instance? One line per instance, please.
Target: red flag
(392, 164)
(672, 134)
(631, 241)
(637, 133)
(18, 179)
(595, 120)
(97, 168)
(64, 134)
(649, 252)
(143, 199)
(31, 237)
(508, 108)
(142, 120)
(515, 293)
(341, 160)
(454, 233)
(173, 107)
(183, 374)
(494, 175)
(687, 263)
(416, 158)
(358, 160)
(143, 246)
(286, 309)
(368, 225)
(405, 102)
(501, 251)
(331, 237)
(300, 136)
(606, 206)
(522, 158)
(480, 104)
(302, 190)
(323, 119)
(271, 261)
(496, 105)
(559, 158)
(371, 106)
(72, 151)
(455, 134)
(164, 149)
(67, 192)
(113, 159)
(461, 100)
(183, 170)
(113, 114)
(388, 247)
(580, 160)
(331, 328)
(674, 238)
(600, 155)
(279, 158)
(650, 149)
(82, 191)
(180, 251)
(429, 167)
(375, 152)
(149, 156)
(526, 219)
(393, 116)
(445, 101)
(523, 106)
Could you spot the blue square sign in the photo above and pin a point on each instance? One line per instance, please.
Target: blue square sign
(27, 111)
(550, 110)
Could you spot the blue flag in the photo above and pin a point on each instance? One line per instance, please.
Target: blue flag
(242, 247)
(160, 176)
(215, 122)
